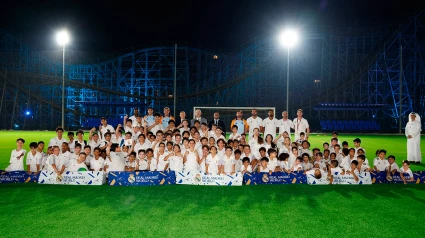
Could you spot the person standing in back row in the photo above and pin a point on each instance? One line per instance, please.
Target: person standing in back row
(198, 117)
(253, 122)
(240, 123)
(269, 125)
(166, 118)
(413, 134)
(216, 120)
(301, 125)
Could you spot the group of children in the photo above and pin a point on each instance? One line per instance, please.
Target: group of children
(197, 148)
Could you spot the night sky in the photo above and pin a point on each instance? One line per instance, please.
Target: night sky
(102, 26)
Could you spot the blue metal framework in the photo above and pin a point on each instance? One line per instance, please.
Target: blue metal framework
(334, 66)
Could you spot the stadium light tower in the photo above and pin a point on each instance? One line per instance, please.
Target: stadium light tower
(62, 37)
(288, 39)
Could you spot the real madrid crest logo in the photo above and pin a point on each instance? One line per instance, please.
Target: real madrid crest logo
(131, 178)
(197, 178)
(265, 178)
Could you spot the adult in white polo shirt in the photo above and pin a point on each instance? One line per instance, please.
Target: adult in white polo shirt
(285, 124)
(253, 122)
(269, 125)
(301, 125)
(58, 140)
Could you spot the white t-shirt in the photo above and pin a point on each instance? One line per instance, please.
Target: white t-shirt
(33, 160)
(152, 164)
(264, 170)
(284, 165)
(71, 146)
(247, 169)
(52, 160)
(407, 172)
(116, 161)
(130, 164)
(135, 123)
(105, 129)
(305, 166)
(213, 163)
(161, 162)
(156, 128)
(253, 123)
(300, 126)
(74, 166)
(57, 142)
(63, 159)
(176, 163)
(381, 165)
(93, 144)
(191, 162)
(228, 163)
(272, 164)
(182, 129)
(143, 146)
(238, 165)
(393, 166)
(43, 159)
(346, 163)
(205, 134)
(97, 164)
(250, 156)
(285, 125)
(236, 136)
(143, 164)
(270, 126)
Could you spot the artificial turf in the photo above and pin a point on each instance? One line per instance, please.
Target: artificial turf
(298, 210)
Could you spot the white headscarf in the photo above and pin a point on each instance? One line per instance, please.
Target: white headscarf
(418, 118)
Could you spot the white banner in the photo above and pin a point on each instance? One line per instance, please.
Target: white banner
(364, 178)
(72, 178)
(200, 178)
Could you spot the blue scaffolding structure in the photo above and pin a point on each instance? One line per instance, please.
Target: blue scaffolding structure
(358, 67)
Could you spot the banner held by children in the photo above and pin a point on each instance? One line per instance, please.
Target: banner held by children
(274, 178)
(141, 178)
(72, 178)
(17, 177)
(200, 178)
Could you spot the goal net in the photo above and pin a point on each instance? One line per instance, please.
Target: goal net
(227, 114)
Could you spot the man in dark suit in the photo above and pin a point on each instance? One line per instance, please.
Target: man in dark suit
(198, 117)
(218, 122)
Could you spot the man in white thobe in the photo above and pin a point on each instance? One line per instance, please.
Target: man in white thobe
(413, 134)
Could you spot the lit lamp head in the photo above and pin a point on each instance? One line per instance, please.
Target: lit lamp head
(62, 37)
(288, 38)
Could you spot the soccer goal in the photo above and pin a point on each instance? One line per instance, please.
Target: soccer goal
(227, 114)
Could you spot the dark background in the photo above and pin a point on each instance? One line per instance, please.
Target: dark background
(102, 26)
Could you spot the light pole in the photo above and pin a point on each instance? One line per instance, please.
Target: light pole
(62, 38)
(288, 39)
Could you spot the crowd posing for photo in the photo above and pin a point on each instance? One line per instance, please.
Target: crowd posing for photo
(155, 142)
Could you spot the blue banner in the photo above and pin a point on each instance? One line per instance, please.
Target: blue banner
(274, 178)
(141, 178)
(200, 178)
(381, 177)
(17, 177)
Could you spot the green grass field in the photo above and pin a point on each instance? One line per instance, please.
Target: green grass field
(34, 210)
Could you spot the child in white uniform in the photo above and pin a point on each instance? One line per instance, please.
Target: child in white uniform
(405, 169)
(228, 161)
(191, 157)
(17, 157)
(213, 162)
